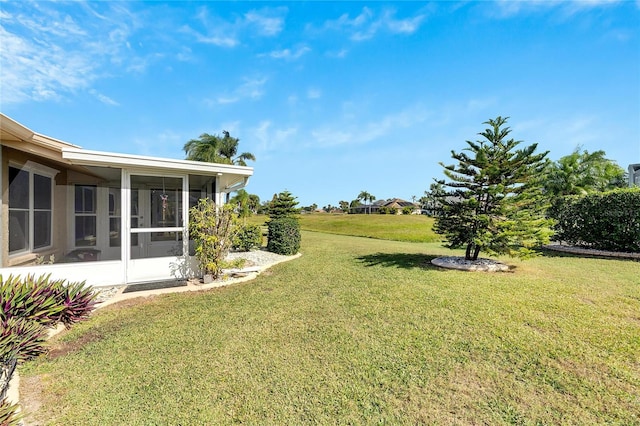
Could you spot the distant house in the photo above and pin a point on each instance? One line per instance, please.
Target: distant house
(396, 203)
(400, 204)
(100, 217)
(634, 175)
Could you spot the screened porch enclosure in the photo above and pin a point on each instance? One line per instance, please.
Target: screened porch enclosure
(102, 217)
(132, 220)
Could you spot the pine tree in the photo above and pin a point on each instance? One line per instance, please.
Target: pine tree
(283, 205)
(495, 200)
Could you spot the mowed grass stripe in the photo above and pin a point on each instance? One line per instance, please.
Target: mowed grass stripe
(363, 331)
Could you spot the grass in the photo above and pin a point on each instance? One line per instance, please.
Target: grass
(361, 331)
(410, 228)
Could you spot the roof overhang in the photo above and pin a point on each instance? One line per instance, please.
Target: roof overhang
(110, 159)
(20, 137)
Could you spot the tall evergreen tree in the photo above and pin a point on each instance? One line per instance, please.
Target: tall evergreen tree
(283, 227)
(283, 205)
(494, 203)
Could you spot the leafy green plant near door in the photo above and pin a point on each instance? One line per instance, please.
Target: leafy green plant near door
(212, 230)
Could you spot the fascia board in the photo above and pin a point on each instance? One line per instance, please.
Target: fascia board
(102, 158)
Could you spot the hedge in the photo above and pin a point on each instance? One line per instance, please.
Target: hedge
(602, 221)
(284, 236)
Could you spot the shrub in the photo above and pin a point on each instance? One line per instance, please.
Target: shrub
(407, 210)
(30, 306)
(212, 230)
(393, 210)
(383, 210)
(248, 237)
(284, 236)
(603, 221)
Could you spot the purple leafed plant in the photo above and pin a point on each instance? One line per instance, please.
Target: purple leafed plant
(28, 307)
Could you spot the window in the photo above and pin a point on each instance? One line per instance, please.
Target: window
(114, 217)
(86, 215)
(30, 210)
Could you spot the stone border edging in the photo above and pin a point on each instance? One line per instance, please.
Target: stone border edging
(591, 252)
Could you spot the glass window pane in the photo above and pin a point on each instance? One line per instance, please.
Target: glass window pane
(85, 198)
(85, 231)
(41, 228)
(18, 188)
(41, 192)
(18, 230)
(160, 196)
(163, 208)
(161, 245)
(134, 203)
(194, 197)
(114, 232)
(164, 236)
(114, 201)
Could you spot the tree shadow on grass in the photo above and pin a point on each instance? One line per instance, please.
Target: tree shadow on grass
(400, 260)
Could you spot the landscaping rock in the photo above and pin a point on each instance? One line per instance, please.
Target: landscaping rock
(458, 262)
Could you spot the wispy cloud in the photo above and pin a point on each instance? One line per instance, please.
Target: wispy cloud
(342, 53)
(103, 98)
(362, 133)
(218, 38)
(288, 54)
(268, 22)
(368, 24)
(228, 33)
(509, 8)
(314, 93)
(251, 88)
(271, 138)
(46, 53)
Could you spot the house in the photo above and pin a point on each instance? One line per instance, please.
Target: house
(634, 175)
(372, 208)
(399, 205)
(383, 205)
(100, 217)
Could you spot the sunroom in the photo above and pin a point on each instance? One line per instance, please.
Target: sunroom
(100, 217)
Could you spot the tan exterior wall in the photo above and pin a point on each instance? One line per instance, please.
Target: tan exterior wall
(59, 211)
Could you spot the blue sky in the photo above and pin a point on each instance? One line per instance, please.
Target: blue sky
(332, 97)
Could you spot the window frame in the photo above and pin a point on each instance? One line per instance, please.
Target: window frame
(94, 191)
(32, 169)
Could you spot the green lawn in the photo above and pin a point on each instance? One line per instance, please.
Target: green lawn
(362, 331)
(411, 228)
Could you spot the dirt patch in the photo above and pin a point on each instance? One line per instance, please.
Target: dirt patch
(31, 391)
(129, 303)
(59, 349)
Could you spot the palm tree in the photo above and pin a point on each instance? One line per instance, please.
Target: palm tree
(365, 196)
(241, 200)
(229, 148)
(216, 149)
(205, 148)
